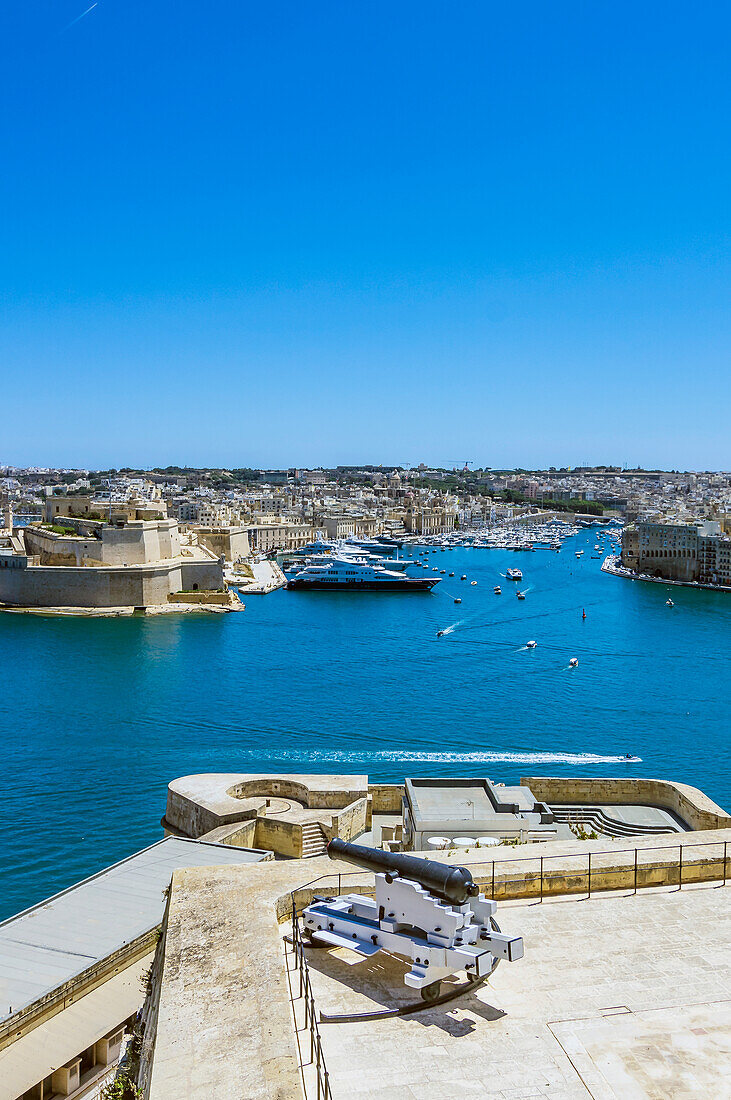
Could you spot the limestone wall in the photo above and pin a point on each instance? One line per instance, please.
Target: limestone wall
(58, 586)
(386, 797)
(690, 804)
(202, 575)
(348, 823)
(282, 836)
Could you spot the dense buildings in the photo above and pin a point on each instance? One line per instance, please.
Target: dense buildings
(691, 552)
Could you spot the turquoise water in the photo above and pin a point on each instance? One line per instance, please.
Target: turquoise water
(99, 715)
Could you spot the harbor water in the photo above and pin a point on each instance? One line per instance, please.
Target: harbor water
(98, 715)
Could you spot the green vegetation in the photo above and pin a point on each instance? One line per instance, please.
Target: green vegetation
(121, 1088)
(58, 529)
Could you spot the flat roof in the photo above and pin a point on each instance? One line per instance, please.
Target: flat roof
(464, 799)
(50, 1045)
(46, 945)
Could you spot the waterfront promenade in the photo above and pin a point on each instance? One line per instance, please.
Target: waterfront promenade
(611, 564)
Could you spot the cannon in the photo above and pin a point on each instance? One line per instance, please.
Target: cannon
(428, 912)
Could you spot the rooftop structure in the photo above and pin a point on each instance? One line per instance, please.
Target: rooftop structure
(72, 968)
(473, 807)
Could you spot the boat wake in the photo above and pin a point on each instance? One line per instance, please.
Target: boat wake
(353, 756)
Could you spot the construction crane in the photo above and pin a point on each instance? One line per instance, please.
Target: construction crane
(467, 463)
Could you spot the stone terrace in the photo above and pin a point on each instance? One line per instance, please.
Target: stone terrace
(617, 996)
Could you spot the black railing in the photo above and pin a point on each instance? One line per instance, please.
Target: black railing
(306, 996)
(589, 874)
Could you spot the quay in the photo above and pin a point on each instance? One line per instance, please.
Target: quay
(612, 564)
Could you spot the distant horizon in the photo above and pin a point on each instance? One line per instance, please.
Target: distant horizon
(385, 468)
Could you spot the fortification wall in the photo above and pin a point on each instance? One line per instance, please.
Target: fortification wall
(54, 586)
(691, 805)
(205, 575)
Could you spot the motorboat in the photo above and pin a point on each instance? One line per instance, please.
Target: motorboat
(574, 662)
(514, 574)
(451, 574)
(531, 645)
(520, 595)
(458, 600)
(669, 603)
(498, 590)
(473, 582)
(463, 577)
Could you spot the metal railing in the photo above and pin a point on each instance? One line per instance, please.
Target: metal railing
(589, 873)
(317, 1059)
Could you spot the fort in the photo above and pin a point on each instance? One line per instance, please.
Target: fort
(133, 558)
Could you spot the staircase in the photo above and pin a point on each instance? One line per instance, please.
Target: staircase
(314, 841)
(596, 819)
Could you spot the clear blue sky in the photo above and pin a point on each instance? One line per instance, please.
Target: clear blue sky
(285, 233)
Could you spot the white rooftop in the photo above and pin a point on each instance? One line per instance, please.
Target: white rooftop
(46, 945)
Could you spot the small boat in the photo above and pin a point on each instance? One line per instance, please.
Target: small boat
(458, 600)
(669, 603)
(463, 577)
(520, 595)
(514, 575)
(573, 663)
(473, 582)
(440, 633)
(531, 645)
(442, 571)
(451, 574)
(498, 590)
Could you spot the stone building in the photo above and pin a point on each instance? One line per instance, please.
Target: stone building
(696, 552)
(86, 563)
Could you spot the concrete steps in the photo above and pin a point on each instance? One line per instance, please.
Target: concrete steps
(601, 822)
(314, 841)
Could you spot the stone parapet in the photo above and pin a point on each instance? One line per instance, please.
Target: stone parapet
(691, 805)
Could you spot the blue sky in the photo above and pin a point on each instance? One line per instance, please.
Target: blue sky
(275, 234)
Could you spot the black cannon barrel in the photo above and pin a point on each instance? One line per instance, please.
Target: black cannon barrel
(453, 884)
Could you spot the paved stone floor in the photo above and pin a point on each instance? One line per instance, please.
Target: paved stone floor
(617, 998)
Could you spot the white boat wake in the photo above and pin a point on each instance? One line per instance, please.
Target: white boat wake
(338, 756)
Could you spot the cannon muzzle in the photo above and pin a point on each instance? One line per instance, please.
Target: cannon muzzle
(452, 884)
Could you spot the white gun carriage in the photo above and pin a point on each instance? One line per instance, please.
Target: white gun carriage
(430, 913)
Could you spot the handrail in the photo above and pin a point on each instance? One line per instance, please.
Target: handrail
(589, 855)
(317, 1058)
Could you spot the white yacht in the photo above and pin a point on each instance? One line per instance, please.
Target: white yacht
(354, 573)
(514, 575)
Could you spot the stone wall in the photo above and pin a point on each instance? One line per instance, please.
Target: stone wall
(205, 575)
(386, 797)
(282, 836)
(59, 586)
(350, 822)
(691, 805)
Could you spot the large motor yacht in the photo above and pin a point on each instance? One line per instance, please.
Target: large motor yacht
(345, 572)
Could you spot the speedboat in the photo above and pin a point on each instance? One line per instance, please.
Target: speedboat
(669, 603)
(458, 600)
(451, 574)
(463, 577)
(473, 582)
(520, 595)
(498, 590)
(531, 645)
(573, 663)
(440, 633)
